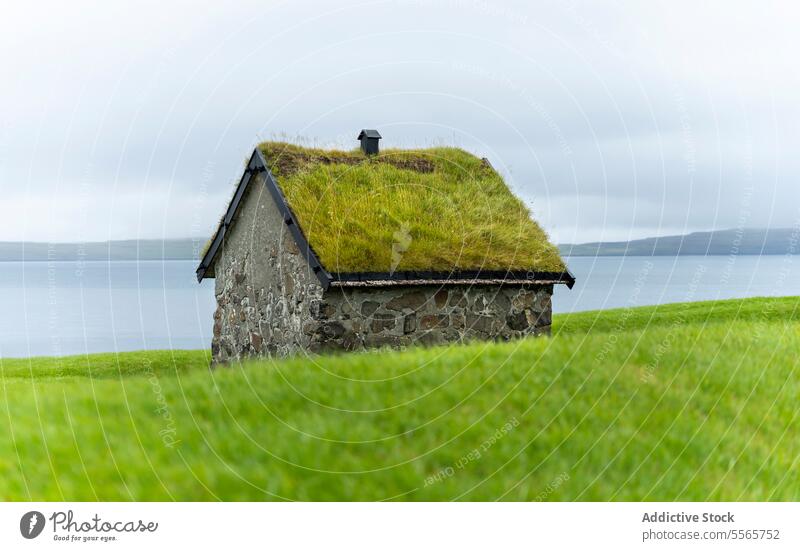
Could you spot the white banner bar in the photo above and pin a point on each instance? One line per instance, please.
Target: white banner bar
(399, 526)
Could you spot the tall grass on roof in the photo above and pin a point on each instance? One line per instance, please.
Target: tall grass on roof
(437, 209)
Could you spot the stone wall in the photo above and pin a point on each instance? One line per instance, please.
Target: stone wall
(353, 319)
(264, 287)
(270, 303)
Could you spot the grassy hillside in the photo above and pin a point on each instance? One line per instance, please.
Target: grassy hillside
(688, 402)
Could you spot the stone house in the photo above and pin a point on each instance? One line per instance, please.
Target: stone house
(324, 250)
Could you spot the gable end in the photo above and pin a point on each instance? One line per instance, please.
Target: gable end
(256, 165)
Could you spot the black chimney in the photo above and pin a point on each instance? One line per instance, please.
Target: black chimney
(369, 141)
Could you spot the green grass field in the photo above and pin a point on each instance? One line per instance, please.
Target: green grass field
(680, 402)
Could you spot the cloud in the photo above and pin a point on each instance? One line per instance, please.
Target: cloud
(619, 120)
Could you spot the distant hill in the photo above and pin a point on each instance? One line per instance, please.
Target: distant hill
(130, 249)
(722, 242)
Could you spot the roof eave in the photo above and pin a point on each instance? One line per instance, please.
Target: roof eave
(464, 277)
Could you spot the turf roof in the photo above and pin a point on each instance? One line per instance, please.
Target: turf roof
(437, 209)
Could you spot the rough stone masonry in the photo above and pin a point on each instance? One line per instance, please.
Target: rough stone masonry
(270, 303)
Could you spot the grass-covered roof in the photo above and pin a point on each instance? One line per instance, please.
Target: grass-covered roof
(437, 209)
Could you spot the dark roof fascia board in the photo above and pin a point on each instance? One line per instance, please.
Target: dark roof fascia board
(208, 258)
(290, 220)
(202, 270)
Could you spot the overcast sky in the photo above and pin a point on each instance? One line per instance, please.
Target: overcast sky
(612, 120)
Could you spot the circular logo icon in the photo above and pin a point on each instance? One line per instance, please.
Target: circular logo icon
(31, 524)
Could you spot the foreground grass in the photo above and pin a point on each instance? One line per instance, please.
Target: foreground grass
(689, 402)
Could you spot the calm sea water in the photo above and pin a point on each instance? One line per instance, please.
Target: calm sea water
(58, 308)
(69, 308)
(613, 281)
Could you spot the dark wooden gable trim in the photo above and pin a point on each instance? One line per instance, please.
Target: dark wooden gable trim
(207, 261)
(294, 227)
